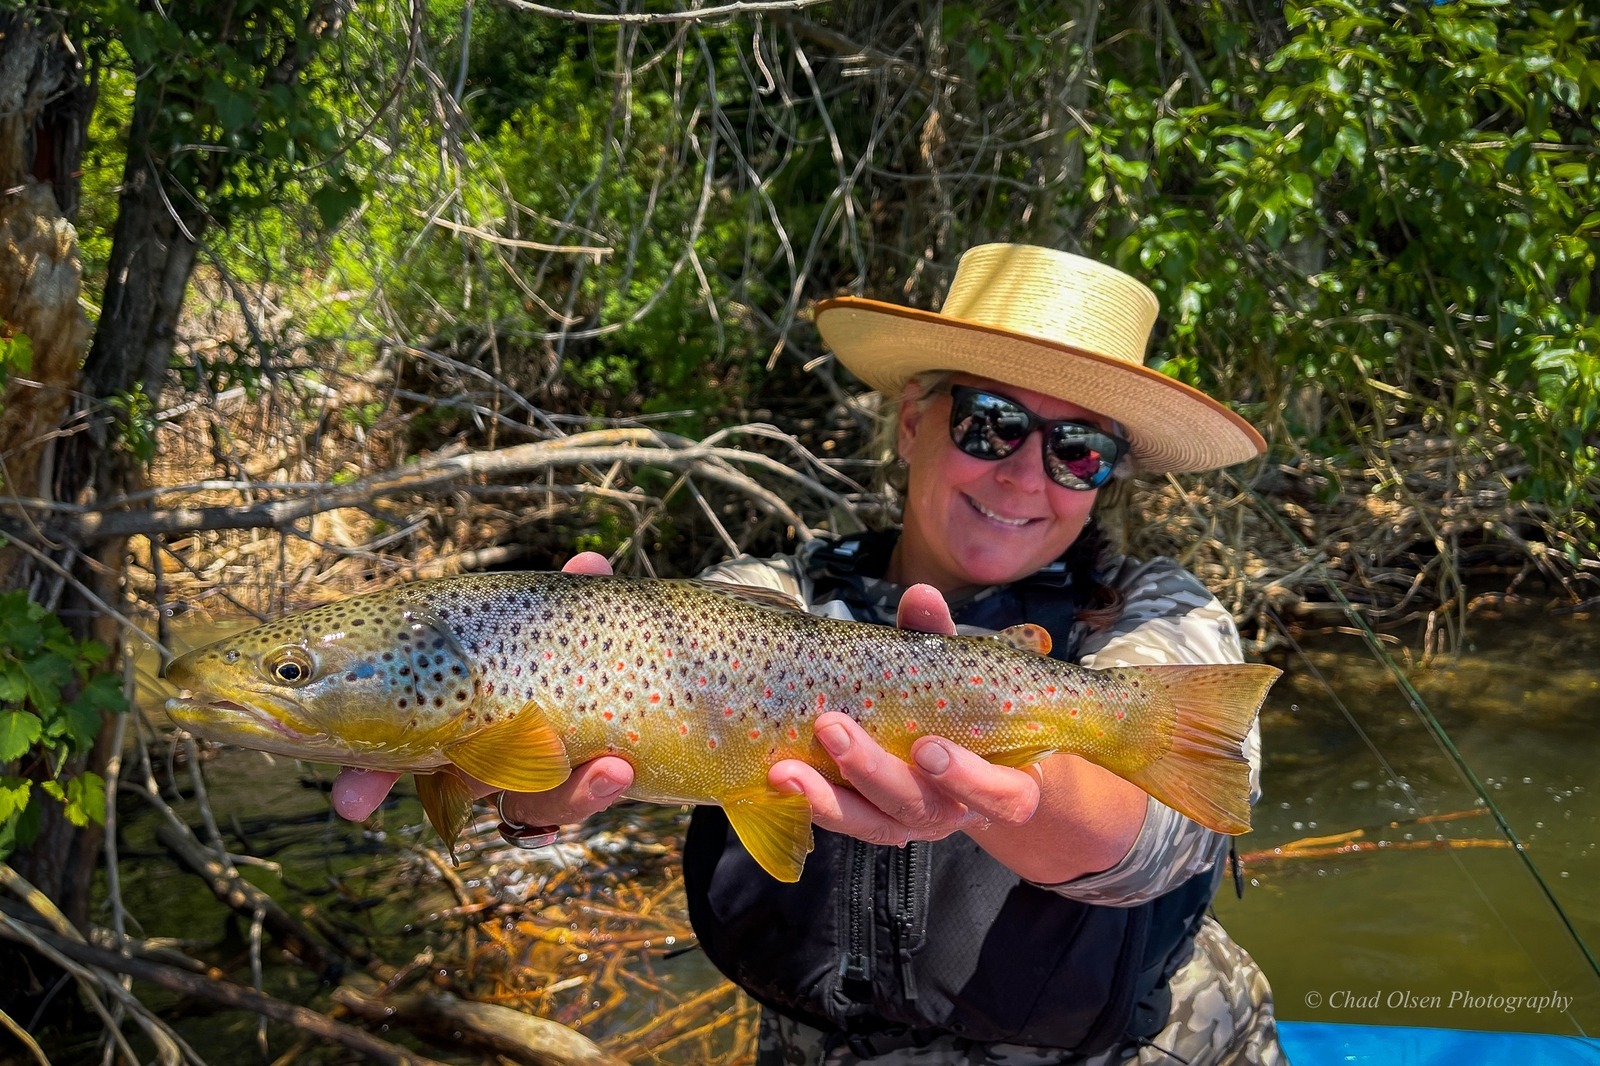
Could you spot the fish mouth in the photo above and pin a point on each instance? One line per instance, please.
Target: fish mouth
(202, 714)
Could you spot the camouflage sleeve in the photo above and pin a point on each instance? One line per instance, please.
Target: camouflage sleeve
(1169, 617)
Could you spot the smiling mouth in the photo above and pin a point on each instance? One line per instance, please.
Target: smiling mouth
(1014, 523)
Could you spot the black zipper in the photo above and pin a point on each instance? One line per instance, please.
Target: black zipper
(908, 865)
(856, 964)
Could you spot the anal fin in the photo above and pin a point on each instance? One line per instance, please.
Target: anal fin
(520, 752)
(1020, 757)
(774, 827)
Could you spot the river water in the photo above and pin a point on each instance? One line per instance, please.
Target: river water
(1377, 887)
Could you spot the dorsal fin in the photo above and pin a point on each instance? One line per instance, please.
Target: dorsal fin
(1026, 637)
(765, 596)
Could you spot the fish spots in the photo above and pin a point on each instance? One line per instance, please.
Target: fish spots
(941, 703)
(1120, 714)
(683, 729)
(608, 715)
(976, 679)
(755, 734)
(734, 665)
(1072, 712)
(1049, 690)
(768, 691)
(727, 712)
(711, 745)
(655, 697)
(794, 734)
(866, 704)
(633, 737)
(977, 730)
(1033, 727)
(822, 700)
(621, 666)
(703, 680)
(578, 681)
(911, 725)
(1007, 707)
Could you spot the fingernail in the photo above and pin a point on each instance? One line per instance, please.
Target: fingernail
(788, 786)
(834, 739)
(605, 787)
(933, 758)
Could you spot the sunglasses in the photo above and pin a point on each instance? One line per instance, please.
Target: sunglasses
(1076, 455)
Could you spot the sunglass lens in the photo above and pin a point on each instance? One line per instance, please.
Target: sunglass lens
(987, 427)
(1079, 457)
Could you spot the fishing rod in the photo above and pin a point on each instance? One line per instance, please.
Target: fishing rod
(1440, 735)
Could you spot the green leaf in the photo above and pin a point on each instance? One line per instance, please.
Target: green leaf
(86, 799)
(14, 793)
(18, 731)
(1279, 105)
(335, 199)
(1352, 141)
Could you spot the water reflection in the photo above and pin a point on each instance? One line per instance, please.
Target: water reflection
(1434, 925)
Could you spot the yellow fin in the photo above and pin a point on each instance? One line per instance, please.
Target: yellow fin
(1027, 637)
(1021, 757)
(448, 804)
(1204, 774)
(774, 827)
(521, 753)
(766, 597)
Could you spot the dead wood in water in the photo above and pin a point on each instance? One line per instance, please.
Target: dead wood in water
(520, 1037)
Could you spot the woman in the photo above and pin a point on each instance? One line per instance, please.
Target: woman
(956, 911)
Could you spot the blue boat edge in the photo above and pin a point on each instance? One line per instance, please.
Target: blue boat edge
(1319, 1043)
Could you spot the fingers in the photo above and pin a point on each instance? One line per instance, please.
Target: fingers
(592, 788)
(922, 608)
(592, 563)
(357, 793)
(945, 789)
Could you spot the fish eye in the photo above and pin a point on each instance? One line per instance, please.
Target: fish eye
(290, 666)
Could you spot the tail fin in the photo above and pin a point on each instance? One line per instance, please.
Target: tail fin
(1204, 774)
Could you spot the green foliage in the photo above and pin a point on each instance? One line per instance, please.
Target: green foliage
(51, 706)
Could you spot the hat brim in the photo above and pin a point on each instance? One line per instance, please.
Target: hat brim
(1172, 427)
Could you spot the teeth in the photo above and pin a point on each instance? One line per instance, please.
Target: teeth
(981, 509)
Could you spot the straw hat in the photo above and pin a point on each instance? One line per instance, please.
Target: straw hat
(1055, 323)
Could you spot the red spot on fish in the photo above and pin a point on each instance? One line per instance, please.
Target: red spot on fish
(911, 725)
(549, 655)
(572, 731)
(794, 734)
(669, 653)
(1073, 713)
(1049, 690)
(734, 665)
(683, 729)
(1121, 715)
(1005, 708)
(942, 703)
(977, 731)
(866, 704)
(769, 693)
(727, 712)
(914, 671)
(887, 674)
(822, 700)
(755, 734)
(608, 715)
(976, 680)
(578, 681)
(621, 665)
(655, 697)
(905, 695)
(634, 737)
(1034, 727)
(704, 681)
(712, 744)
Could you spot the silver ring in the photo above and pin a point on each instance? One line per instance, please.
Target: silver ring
(526, 837)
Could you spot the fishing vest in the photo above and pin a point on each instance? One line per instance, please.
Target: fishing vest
(888, 947)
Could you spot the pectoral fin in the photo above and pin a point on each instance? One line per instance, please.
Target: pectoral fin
(521, 753)
(774, 828)
(448, 804)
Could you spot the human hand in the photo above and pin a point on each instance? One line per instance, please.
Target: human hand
(944, 789)
(592, 787)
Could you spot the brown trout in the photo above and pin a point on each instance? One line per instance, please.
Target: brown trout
(514, 678)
